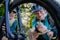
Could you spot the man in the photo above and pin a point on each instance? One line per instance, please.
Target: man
(41, 29)
(13, 21)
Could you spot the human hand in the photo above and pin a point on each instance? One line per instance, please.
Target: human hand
(50, 34)
(42, 28)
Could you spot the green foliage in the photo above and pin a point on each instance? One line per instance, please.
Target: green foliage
(26, 16)
(25, 10)
(1, 9)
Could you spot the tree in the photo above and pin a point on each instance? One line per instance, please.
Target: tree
(2, 9)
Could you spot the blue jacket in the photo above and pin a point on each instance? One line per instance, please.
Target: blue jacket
(46, 23)
(14, 25)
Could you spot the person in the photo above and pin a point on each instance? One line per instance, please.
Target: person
(14, 26)
(12, 20)
(41, 29)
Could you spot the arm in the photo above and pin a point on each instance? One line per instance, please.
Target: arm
(32, 34)
(54, 30)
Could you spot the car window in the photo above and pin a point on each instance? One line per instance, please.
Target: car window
(28, 16)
